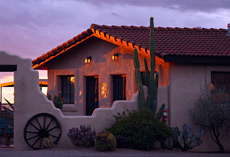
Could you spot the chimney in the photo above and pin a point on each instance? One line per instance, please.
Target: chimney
(228, 29)
(198, 27)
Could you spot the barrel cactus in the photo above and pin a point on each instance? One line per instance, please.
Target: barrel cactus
(105, 141)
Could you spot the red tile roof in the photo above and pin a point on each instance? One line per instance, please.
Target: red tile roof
(168, 41)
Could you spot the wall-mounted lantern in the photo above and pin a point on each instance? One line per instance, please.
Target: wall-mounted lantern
(104, 90)
(115, 56)
(88, 59)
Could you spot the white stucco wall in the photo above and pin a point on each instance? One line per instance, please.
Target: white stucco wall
(29, 101)
(184, 88)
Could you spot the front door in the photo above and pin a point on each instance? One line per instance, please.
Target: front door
(119, 87)
(92, 101)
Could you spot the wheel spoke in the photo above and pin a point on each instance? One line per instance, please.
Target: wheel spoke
(53, 136)
(32, 132)
(44, 122)
(35, 142)
(52, 128)
(40, 145)
(34, 126)
(49, 124)
(39, 123)
(32, 137)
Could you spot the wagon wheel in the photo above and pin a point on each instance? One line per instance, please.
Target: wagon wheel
(42, 126)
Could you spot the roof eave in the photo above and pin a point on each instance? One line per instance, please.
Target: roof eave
(42, 65)
(217, 60)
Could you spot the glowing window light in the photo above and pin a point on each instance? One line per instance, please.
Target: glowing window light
(88, 59)
(115, 56)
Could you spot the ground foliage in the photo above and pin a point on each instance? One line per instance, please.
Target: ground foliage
(142, 128)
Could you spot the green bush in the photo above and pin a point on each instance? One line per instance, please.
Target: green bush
(142, 128)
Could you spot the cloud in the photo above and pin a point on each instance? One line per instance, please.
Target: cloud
(205, 5)
(32, 27)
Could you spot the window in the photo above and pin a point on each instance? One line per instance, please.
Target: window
(220, 86)
(67, 89)
(119, 87)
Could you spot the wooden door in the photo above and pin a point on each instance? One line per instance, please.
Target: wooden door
(92, 100)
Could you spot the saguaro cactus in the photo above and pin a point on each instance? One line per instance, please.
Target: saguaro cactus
(151, 78)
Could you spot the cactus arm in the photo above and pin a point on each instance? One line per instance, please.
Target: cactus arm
(141, 97)
(152, 58)
(147, 73)
(160, 112)
(152, 47)
(147, 103)
(155, 89)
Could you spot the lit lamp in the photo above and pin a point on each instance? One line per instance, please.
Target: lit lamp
(115, 56)
(88, 59)
(104, 90)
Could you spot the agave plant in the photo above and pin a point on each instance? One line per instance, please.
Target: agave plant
(9, 111)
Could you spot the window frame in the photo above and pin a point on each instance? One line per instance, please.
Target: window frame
(124, 86)
(71, 91)
(222, 87)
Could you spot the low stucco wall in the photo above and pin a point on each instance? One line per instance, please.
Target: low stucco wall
(29, 101)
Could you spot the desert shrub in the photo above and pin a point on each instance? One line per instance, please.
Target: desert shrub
(82, 136)
(105, 141)
(142, 128)
(212, 114)
(58, 100)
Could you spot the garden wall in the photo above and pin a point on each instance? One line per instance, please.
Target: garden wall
(29, 101)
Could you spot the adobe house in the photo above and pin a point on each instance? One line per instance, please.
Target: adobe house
(110, 74)
(186, 59)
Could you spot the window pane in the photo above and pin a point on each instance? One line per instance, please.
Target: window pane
(68, 89)
(221, 86)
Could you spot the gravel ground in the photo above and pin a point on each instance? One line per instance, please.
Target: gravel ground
(57, 152)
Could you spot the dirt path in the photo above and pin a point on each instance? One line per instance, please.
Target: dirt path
(56, 152)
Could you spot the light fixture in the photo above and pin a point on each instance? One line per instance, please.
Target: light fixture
(88, 59)
(115, 56)
(104, 90)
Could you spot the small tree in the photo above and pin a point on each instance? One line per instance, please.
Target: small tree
(212, 114)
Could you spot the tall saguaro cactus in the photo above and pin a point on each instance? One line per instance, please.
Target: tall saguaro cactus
(149, 101)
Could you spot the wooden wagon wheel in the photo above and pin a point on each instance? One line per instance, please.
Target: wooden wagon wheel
(41, 126)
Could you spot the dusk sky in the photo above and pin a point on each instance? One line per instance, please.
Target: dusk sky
(30, 28)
